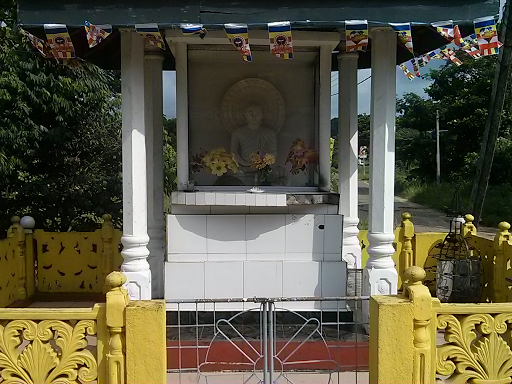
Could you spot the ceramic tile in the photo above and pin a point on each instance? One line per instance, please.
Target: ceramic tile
(224, 280)
(226, 234)
(184, 281)
(190, 210)
(303, 256)
(209, 198)
(181, 198)
(317, 209)
(186, 257)
(332, 234)
(281, 200)
(334, 276)
(265, 256)
(227, 257)
(229, 210)
(304, 233)
(240, 199)
(200, 198)
(263, 279)
(261, 200)
(230, 199)
(250, 200)
(220, 198)
(186, 233)
(301, 278)
(265, 233)
(190, 198)
(271, 200)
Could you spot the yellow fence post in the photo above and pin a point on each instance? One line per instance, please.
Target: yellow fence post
(117, 299)
(500, 286)
(419, 294)
(107, 236)
(30, 267)
(146, 356)
(468, 229)
(406, 234)
(16, 232)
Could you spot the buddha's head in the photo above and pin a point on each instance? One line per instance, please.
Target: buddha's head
(253, 114)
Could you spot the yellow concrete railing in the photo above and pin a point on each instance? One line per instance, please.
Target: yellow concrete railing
(476, 347)
(13, 265)
(114, 343)
(77, 261)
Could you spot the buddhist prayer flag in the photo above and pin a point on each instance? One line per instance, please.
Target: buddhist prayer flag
(468, 45)
(450, 54)
(280, 35)
(356, 35)
(408, 73)
(435, 54)
(404, 34)
(151, 33)
(423, 61)
(96, 33)
(444, 28)
(60, 41)
(193, 29)
(415, 67)
(487, 36)
(457, 38)
(38, 43)
(238, 34)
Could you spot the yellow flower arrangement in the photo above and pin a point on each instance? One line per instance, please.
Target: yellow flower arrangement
(217, 161)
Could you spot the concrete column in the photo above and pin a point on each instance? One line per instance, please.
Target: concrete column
(380, 276)
(135, 233)
(324, 135)
(348, 156)
(180, 54)
(155, 171)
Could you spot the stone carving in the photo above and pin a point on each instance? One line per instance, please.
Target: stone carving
(477, 350)
(253, 137)
(56, 352)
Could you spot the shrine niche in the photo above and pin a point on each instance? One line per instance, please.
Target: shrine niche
(250, 128)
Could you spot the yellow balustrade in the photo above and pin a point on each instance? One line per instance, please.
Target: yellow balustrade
(115, 342)
(77, 261)
(455, 343)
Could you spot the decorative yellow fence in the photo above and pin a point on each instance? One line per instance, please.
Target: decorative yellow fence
(456, 343)
(114, 343)
(56, 262)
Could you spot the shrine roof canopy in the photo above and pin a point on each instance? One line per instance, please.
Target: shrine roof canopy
(326, 15)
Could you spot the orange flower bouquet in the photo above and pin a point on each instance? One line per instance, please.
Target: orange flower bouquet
(262, 164)
(300, 156)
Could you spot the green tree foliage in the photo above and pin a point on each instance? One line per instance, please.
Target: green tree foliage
(60, 143)
(170, 170)
(461, 94)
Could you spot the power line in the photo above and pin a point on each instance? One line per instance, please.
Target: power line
(362, 81)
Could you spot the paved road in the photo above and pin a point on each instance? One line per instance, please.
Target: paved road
(424, 219)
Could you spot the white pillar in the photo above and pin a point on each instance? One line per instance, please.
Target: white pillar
(348, 156)
(155, 171)
(180, 54)
(380, 276)
(135, 234)
(324, 123)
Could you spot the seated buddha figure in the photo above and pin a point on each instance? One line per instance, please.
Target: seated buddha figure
(252, 137)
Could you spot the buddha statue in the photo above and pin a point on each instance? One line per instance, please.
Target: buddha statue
(252, 137)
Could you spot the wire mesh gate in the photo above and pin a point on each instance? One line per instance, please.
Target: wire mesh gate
(272, 340)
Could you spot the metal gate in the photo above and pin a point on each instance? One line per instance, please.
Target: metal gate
(273, 340)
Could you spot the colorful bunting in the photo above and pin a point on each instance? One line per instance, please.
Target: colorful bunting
(423, 61)
(457, 38)
(468, 45)
(415, 67)
(39, 44)
(60, 41)
(404, 34)
(408, 73)
(238, 34)
(356, 35)
(450, 54)
(487, 36)
(445, 29)
(151, 33)
(96, 33)
(280, 36)
(193, 29)
(435, 54)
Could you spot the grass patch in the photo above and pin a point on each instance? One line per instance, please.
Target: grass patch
(451, 199)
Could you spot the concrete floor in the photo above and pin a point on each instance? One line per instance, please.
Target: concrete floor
(288, 378)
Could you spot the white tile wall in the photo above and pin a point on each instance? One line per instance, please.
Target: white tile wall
(186, 257)
(265, 233)
(190, 209)
(303, 256)
(333, 278)
(229, 210)
(265, 256)
(226, 234)
(317, 209)
(230, 199)
(190, 198)
(200, 198)
(227, 256)
(302, 278)
(303, 233)
(263, 279)
(186, 234)
(209, 198)
(332, 234)
(184, 280)
(224, 280)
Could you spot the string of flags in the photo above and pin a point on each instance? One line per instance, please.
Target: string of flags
(483, 42)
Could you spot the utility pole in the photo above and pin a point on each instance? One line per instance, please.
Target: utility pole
(438, 151)
(492, 124)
